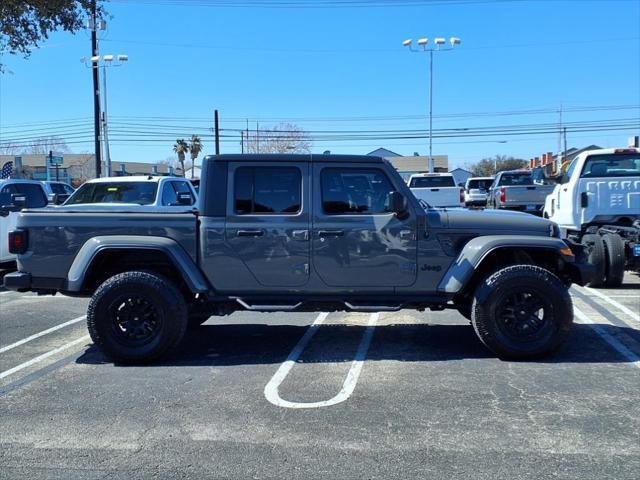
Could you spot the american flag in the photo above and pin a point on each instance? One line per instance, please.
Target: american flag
(7, 170)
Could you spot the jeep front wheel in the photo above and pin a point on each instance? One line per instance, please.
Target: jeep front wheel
(137, 317)
(522, 312)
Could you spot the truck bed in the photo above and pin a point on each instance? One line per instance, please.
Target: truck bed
(55, 238)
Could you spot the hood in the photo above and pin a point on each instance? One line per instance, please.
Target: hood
(498, 222)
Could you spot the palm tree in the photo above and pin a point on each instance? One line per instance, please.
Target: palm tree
(181, 148)
(196, 148)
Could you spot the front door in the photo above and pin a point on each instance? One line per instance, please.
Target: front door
(356, 241)
(267, 224)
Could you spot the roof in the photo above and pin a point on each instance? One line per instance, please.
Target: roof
(18, 180)
(460, 170)
(383, 152)
(310, 158)
(133, 178)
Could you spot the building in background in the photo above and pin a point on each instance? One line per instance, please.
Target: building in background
(408, 165)
(76, 168)
(460, 175)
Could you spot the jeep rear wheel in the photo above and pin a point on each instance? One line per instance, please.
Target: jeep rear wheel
(137, 317)
(522, 312)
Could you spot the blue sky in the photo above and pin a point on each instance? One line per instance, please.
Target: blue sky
(338, 69)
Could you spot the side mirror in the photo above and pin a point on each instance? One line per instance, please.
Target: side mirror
(397, 203)
(185, 199)
(564, 178)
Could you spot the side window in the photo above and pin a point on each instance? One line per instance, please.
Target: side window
(183, 187)
(169, 197)
(354, 191)
(267, 190)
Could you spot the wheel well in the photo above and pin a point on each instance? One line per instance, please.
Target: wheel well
(503, 257)
(111, 262)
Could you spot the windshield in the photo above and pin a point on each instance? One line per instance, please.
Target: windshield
(431, 182)
(142, 193)
(509, 179)
(479, 184)
(611, 166)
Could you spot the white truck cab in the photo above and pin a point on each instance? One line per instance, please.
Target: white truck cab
(437, 189)
(33, 196)
(135, 193)
(597, 202)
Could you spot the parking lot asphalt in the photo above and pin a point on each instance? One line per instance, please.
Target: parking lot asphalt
(304, 395)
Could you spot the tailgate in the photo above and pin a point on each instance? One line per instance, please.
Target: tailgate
(527, 194)
(439, 196)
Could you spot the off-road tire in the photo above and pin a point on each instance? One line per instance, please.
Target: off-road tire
(535, 337)
(597, 258)
(615, 256)
(147, 292)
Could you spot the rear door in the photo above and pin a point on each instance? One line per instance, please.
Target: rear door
(267, 223)
(356, 241)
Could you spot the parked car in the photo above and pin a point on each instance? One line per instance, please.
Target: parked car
(58, 192)
(136, 193)
(16, 194)
(290, 233)
(437, 189)
(516, 190)
(476, 190)
(597, 203)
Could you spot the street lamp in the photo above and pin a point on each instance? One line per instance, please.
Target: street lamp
(439, 46)
(107, 61)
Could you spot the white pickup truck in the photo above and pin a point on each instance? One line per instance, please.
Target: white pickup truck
(32, 195)
(135, 193)
(597, 203)
(437, 189)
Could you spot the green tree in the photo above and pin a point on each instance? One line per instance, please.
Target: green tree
(181, 148)
(488, 167)
(195, 147)
(24, 24)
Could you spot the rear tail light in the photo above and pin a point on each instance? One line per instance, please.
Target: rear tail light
(18, 241)
(503, 195)
(462, 195)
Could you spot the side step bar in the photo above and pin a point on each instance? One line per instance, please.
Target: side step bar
(291, 307)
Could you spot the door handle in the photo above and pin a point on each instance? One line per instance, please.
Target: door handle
(330, 233)
(250, 233)
(435, 189)
(300, 234)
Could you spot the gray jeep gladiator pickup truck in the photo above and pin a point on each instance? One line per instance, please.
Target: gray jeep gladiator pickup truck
(301, 233)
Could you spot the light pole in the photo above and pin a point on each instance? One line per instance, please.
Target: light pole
(439, 43)
(107, 61)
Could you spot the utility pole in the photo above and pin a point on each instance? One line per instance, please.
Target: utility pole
(105, 128)
(560, 129)
(96, 89)
(257, 137)
(241, 141)
(217, 132)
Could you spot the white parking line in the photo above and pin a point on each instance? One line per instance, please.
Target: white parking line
(7, 292)
(42, 333)
(612, 302)
(271, 389)
(44, 356)
(611, 340)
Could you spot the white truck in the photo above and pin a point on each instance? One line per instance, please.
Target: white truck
(24, 193)
(597, 203)
(437, 189)
(136, 193)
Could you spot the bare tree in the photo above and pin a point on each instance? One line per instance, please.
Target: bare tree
(9, 148)
(283, 138)
(43, 145)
